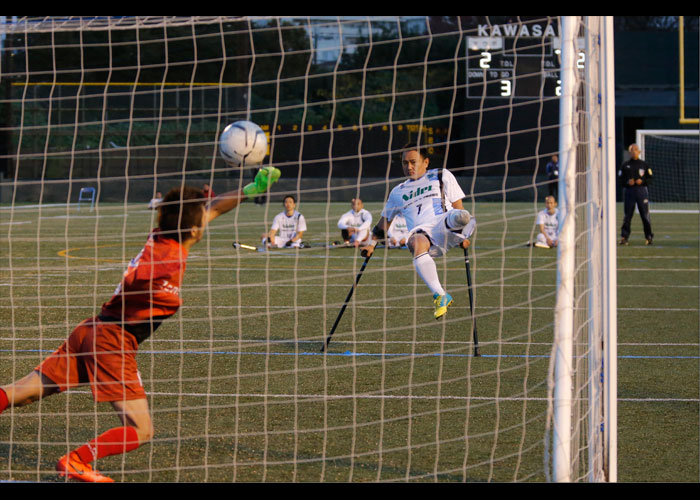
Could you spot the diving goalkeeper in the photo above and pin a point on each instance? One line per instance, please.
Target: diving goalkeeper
(101, 351)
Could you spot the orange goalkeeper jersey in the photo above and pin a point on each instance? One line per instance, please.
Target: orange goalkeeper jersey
(150, 288)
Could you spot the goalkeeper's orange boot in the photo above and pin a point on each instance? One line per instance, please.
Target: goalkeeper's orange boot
(70, 465)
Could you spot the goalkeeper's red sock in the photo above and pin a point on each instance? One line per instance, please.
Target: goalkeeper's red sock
(4, 402)
(112, 442)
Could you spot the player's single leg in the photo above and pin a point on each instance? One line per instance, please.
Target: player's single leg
(541, 242)
(419, 245)
(136, 429)
(630, 202)
(107, 359)
(26, 390)
(135, 413)
(643, 206)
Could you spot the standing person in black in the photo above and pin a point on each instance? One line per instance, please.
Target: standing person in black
(635, 175)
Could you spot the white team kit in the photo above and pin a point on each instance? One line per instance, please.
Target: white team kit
(551, 225)
(360, 221)
(397, 231)
(420, 202)
(287, 227)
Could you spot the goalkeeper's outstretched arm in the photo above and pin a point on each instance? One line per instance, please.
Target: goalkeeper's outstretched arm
(226, 202)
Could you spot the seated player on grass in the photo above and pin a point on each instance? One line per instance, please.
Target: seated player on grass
(355, 223)
(397, 234)
(431, 203)
(288, 227)
(547, 222)
(101, 351)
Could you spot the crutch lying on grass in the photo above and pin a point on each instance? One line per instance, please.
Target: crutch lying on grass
(237, 244)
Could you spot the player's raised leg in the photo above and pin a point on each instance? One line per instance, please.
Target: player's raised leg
(419, 245)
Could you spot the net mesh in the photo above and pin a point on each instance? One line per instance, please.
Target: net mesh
(237, 385)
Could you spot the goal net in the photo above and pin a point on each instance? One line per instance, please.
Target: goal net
(103, 114)
(674, 158)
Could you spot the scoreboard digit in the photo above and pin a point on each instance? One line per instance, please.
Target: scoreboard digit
(515, 67)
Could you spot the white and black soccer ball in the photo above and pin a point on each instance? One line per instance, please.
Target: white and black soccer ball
(243, 143)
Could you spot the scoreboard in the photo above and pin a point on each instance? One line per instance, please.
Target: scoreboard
(515, 67)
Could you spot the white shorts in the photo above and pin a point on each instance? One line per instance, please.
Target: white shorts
(281, 243)
(441, 238)
(359, 236)
(543, 241)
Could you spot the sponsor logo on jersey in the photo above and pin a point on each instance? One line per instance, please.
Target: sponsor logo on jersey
(170, 288)
(417, 192)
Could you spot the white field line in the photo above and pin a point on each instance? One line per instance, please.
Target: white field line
(326, 397)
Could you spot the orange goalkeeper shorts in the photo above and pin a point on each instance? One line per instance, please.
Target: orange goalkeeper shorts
(100, 354)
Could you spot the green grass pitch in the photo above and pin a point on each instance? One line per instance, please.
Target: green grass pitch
(238, 387)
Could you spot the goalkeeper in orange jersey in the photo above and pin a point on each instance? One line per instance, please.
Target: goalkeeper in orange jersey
(101, 351)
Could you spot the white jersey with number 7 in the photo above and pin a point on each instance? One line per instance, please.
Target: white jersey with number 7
(420, 201)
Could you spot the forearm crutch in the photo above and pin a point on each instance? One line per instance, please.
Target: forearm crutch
(471, 301)
(345, 304)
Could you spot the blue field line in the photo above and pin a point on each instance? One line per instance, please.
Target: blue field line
(352, 354)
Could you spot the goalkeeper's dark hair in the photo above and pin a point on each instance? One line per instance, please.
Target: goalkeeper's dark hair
(413, 146)
(180, 211)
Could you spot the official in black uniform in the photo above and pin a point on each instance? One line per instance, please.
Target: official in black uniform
(635, 175)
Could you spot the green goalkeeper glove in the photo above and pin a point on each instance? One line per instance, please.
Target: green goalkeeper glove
(265, 178)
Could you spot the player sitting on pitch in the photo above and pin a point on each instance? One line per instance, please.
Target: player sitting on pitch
(290, 225)
(397, 234)
(101, 351)
(354, 224)
(548, 223)
(431, 203)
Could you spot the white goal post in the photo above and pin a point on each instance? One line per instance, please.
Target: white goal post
(584, 352)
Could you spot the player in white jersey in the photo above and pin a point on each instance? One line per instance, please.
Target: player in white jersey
(355, 224)
(288, 227)
(548, 223)
(397, 234)
(431, 203)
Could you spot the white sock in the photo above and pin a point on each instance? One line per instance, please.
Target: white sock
(427, 270)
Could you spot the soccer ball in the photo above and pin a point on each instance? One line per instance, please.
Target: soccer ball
(243, 143)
